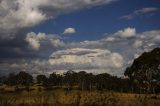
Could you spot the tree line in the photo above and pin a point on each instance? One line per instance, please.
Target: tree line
(143, 76)
(70, 79)
(82, 80)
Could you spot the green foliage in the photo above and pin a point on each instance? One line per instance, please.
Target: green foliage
(144, 73)
(21, 78)
(24, 78)
(41, 79)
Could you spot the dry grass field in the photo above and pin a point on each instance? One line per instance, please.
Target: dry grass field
(61, 97)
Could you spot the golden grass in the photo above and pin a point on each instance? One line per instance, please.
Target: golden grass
(61, 97)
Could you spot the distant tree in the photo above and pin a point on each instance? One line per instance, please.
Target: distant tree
(24, 78)
(41, 79)
(59, 80)
(11, 79)
(69, 78)
(3, 79)
(81, 79)
(53, 79)
(103, 81)
(89, 81)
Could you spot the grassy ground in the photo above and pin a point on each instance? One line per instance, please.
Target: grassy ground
(61, 97)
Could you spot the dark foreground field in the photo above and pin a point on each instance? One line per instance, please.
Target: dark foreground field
(61, 97)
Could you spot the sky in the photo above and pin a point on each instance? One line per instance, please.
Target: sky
(97, 36)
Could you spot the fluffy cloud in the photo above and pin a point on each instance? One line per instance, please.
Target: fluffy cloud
(81, 58)
(35, 40)
(69, 31)
(140, 12)
(129, 48)
(18, 14)
(126, 33)
(110, 38)
(111, 54)
(137, 43)
(117, 59)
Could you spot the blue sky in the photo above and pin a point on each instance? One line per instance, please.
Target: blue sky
(93, 23)
(98, 36)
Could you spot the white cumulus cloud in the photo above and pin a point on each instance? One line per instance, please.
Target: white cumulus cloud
(35, 40)
(83, 58)
(126, 33)
(69, 31)
(18, 14)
